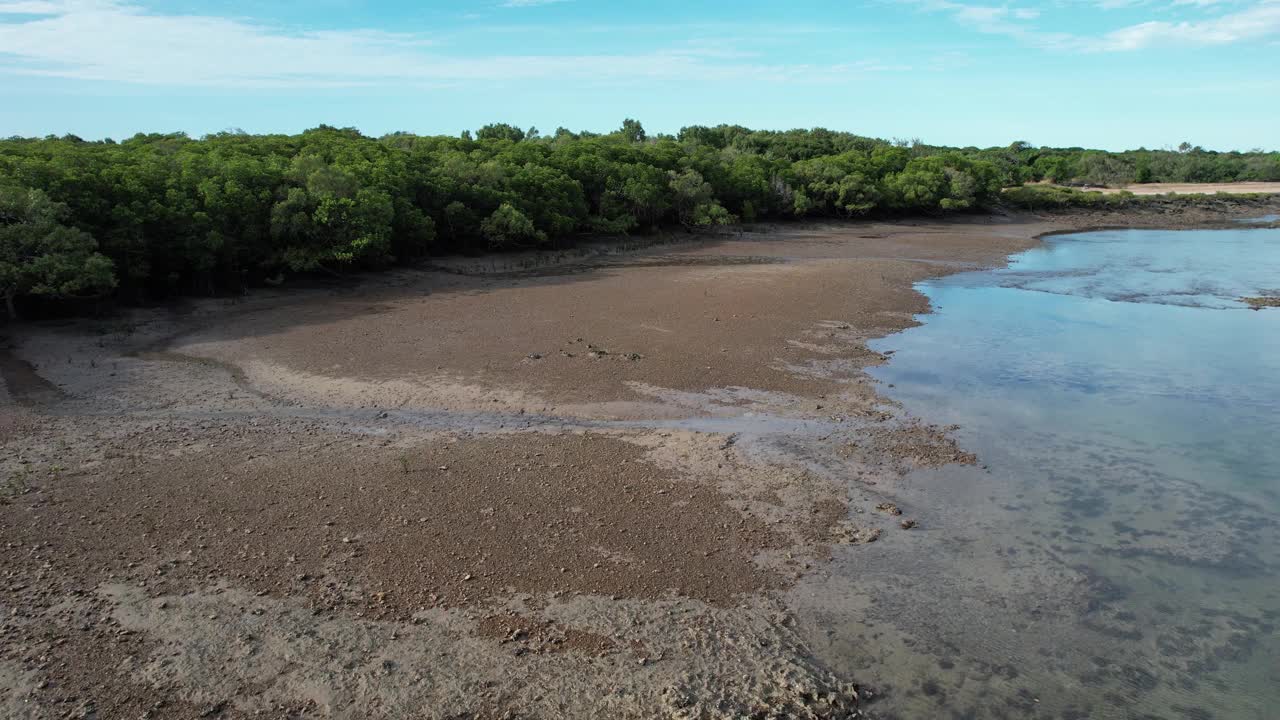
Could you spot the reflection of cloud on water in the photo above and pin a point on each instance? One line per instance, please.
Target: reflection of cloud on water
(1206, 269)
(1265, 219)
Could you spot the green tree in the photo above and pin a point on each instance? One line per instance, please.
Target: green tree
(41, 256)
(330, 221)
(632, 131)
(695, 200)
(176, 214)
(640, 192)
(1100, 168)
(509, 228)
(500, 131)
(1142, 169)
(919, 187)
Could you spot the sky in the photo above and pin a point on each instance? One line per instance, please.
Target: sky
(1111, 74)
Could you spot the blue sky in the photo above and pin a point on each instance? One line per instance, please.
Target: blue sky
(1112, 74)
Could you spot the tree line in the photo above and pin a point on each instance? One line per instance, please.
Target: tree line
(163, 214)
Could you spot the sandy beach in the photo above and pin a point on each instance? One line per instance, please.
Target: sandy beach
(579, 489)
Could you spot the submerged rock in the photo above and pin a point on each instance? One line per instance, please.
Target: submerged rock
(1261, 301)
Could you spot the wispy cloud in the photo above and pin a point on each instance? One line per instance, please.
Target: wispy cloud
(1258, 21)
(1254, 23)
(990, 19)
(112, 40)
(28, 8)
(529, 3)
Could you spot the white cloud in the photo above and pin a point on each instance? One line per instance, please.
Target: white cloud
(990, 19)
(111, 40)
(1257, 22)
(28, 8)
(1119, 4)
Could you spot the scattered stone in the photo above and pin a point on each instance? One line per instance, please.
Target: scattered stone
(845, 533)
(889, 508)
(907, 524)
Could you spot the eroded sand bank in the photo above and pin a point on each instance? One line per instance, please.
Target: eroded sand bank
(580, 491)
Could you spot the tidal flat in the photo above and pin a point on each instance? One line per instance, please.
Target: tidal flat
(708, 479)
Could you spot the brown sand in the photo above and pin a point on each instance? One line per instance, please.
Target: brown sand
(391, 530)
(597, 340)
(1237, 188)
(572, 492)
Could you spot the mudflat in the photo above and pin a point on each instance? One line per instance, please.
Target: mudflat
(571, 490)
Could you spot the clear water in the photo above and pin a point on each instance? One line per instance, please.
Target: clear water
(1119, 556)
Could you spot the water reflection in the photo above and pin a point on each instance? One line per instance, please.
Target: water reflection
(1264, 220)
(1119, 558)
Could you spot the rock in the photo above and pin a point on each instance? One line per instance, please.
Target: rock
(907, 524)
(889, 508)
(848, 534)
(1264, 301)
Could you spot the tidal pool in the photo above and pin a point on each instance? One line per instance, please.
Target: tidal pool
(1119, 554)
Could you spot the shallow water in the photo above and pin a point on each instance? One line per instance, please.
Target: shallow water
(1265, 219)
(1119, 557)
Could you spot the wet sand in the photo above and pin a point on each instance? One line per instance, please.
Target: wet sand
(571, 491)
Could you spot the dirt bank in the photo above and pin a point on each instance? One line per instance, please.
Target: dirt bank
(576, 491)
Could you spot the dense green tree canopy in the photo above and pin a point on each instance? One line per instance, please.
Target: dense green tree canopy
(41, 256)
(172, 214)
